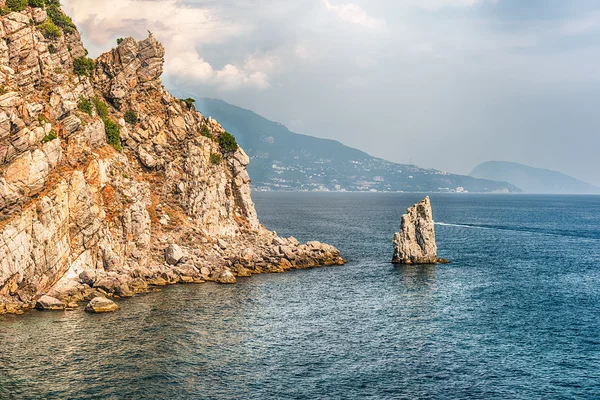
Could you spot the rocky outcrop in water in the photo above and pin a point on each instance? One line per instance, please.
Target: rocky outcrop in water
(415, 243)
(102, 170)
(49, 303)
(100, 305)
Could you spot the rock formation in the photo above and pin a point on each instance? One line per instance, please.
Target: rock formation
(102, 170)
(49, 303)
(101, 305)
(415, 243)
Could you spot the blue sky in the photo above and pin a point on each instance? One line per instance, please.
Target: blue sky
(442, 83)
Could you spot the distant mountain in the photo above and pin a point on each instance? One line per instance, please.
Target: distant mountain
(532, 180)
(283, 160)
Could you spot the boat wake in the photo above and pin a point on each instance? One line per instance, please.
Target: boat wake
(539, 231)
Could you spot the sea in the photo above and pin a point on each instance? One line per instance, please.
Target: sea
(516, 315)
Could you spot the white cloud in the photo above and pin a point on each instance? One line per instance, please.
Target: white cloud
(439, 4)
(253, 73)
(353, 14)
(189, 65)
(505, 74)
(231, 77)
(182, 29)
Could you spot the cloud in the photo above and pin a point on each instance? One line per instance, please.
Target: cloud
(253, 73)
(183, 29)
(468, 77)
(440, 4)
(353, 14)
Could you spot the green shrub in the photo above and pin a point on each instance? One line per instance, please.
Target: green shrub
(52, 49)
(50, 30)
(83, 66)
(215, 158)
(113, 133)
(131, 117)
(37, 3)
(228, 143)
(53, 3)
(119, 41)
(16, 5)
(206, 132)
(101, 107)
(42, 120)
(60, 19)
(49, 137)
(189, 102)
(85, 105)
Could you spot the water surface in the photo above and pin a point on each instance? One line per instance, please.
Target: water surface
(515, 316)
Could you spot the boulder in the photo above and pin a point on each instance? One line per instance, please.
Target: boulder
(88, 277)
(101, 305)
(226, 277)
(49, 303)
(315, 246)
(109, 284)
(71, 124)
(415, 243)
(277, 241)
(285, 265)
(147, 159)
(248, 255)
(123, 290)
(242, 271)
(287, 252)
(173, 254)
(186, 270)
(39, 15)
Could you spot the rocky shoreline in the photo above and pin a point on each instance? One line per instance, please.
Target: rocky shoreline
(183, 266)
(109, 185)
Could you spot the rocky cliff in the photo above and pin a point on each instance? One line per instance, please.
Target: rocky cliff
(415, 243)
(108, 184)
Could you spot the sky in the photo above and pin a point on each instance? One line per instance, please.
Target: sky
(443, 84)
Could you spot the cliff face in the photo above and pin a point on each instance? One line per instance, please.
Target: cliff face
(79, 217)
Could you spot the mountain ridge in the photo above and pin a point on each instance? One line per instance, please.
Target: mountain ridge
(289, 161)
(532, 179)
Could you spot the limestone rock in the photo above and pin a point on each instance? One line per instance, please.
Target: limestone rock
(415, 243)
(81, 219)
(71, 124)
(226, 276)
(49, 303)
(173, 254)
(88, 277)
(101, 305)
(39, 15)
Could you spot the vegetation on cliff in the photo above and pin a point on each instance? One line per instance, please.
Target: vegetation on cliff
(227, 142)
(102, 170)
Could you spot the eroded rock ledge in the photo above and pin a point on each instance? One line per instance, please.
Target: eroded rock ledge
(80, 219)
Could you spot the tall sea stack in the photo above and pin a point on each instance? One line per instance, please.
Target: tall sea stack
(415, 243)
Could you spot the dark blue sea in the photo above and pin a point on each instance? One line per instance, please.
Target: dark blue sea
(515, 316)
